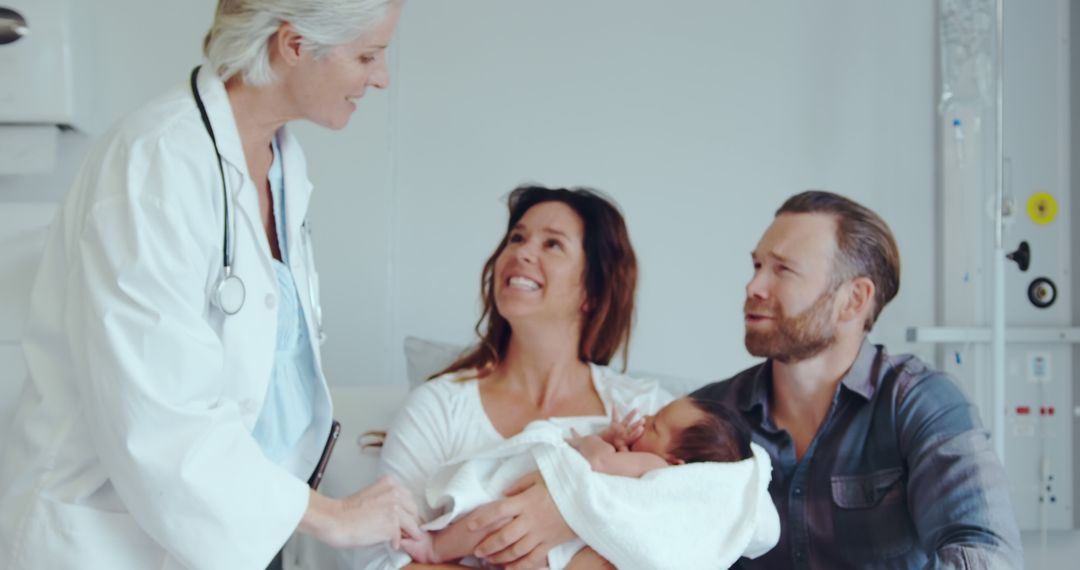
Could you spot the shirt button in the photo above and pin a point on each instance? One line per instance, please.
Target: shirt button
(799, 556)
(270, 300)
(798, 491)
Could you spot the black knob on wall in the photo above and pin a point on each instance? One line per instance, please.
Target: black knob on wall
(12, 26)
(1022, 256)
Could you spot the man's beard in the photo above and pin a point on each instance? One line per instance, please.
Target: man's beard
(796, 338)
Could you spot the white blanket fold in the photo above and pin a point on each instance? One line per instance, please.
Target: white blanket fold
(459, 487)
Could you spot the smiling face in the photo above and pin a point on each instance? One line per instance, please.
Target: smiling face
(663, 431)
(540, 272)
(790, 310)
(325, 88)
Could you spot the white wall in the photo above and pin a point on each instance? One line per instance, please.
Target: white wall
(698, 120)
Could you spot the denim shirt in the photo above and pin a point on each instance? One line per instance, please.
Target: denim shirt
(901, 473)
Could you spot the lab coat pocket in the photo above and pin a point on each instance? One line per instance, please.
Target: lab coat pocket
(874, 506)
(76, 536)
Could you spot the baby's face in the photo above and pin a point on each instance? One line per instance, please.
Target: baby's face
(664, 430)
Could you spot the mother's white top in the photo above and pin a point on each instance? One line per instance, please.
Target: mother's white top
(444, 420)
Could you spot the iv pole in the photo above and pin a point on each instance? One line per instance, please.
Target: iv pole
(997, 325)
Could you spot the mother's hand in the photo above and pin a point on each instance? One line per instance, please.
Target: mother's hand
(524, 526)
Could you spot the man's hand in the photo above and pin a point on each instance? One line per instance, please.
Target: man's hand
(622, 433)
(523, 527)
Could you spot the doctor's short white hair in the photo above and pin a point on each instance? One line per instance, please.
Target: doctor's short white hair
(239, 39)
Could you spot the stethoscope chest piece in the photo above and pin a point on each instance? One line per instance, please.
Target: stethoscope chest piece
(231, 294)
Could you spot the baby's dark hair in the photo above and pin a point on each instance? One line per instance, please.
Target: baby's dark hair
(720, 437)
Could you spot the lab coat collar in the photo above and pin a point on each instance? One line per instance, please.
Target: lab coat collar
(297, 186)
(219, 109)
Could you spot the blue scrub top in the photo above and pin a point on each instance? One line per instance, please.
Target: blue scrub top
(289, 407)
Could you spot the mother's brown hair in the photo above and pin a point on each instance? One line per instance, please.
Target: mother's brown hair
(610, 281)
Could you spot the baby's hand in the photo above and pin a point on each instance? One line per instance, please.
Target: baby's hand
(420, 549)
(590, 446)
(623, 432)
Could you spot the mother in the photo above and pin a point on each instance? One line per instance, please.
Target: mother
(558, 305)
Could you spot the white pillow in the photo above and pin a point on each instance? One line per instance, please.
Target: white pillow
(425, 357)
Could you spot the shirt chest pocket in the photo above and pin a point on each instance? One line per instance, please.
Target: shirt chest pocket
(871, 511)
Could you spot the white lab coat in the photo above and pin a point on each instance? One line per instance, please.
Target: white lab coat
(132, 443)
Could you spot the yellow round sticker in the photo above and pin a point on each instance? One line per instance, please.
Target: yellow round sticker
(1042, 208)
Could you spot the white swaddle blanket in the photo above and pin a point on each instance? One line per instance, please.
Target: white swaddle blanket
(459, 487)
(702, 515)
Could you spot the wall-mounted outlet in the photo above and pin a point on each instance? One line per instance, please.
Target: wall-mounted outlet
(1039, 367)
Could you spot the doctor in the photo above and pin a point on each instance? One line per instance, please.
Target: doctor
(175, 405)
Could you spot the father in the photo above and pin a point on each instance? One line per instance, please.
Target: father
(878, 460)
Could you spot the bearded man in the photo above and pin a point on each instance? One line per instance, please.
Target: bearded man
(878, 461)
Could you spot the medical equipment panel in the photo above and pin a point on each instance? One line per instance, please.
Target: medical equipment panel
(1013, 257)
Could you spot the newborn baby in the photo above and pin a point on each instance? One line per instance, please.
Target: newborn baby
(687, 430)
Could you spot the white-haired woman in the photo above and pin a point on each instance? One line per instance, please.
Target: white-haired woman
(175, 407)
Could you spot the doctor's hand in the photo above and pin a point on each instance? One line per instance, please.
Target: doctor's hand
(522, 528)
(384, 511)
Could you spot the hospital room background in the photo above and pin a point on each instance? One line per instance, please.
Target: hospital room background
(698, 117)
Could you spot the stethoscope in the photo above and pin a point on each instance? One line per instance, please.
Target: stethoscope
(230, 292)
